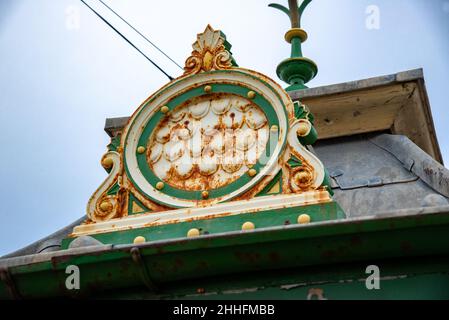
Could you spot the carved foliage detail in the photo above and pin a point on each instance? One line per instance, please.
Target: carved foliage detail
(209, 53)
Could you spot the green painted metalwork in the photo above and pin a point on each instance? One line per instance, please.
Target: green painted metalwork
(114, 190)
(131, 200)
(269, 187)
(294, 162)
(320, 255)
(297, 70)
(183, 98)
(263, 219)
(197, 92)
(115, 143)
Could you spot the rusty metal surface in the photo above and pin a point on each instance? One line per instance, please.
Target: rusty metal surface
(412, 157)
(208, 142)
(369, 179)
(365, 200)
(356, 162)
(384, 220)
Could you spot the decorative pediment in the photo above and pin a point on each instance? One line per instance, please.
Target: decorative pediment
(217, 135)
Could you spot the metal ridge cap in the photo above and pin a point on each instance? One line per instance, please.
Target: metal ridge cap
(368, 83)
(49, 256)
(403, 214)
(56, 236)
(415, 160)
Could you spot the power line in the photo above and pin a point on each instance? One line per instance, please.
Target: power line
(139, 33)
(126, 39)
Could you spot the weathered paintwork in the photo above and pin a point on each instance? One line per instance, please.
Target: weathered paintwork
(296, 70)
(216, 135)
(331, 256)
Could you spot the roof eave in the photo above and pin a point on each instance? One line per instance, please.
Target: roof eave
(405, 233)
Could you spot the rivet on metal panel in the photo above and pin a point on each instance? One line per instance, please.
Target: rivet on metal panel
(139, 240)
(304, 219)
(248, 226)
(252, 173)
(193, 233)
(165, 109)
(141, 150)
(251, 95)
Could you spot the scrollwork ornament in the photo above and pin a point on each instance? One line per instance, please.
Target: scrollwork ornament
(209, 53)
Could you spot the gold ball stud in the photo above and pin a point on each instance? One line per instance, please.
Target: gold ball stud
(106, 206)
(208, 89)
(205, 195)
(160, 185)
(139, 240)
(303, 129)
(251, 94)
(252, 173)
(141, 150)
(304, 219)
(165, 109)
(193, 233)
(274, 128)
(248, 226)
(107, 163)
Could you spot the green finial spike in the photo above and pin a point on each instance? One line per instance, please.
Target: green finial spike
(295, 12)
(296, 70)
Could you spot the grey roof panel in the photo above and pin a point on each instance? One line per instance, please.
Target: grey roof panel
(356, 162)
(47, 244)
(381, 173)
(375, 200)
(418, 162)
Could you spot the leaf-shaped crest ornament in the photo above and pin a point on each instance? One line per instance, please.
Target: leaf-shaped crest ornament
(294, 12)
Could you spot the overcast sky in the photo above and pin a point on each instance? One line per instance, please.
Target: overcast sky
(63, 71)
